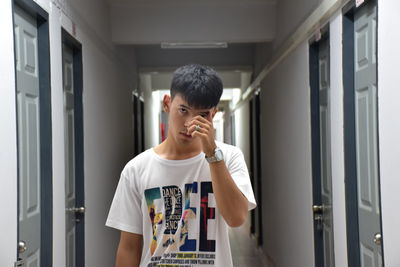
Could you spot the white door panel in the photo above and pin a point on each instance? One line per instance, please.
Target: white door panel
(70, 193)
(325, 153)
(28, 110)
(366, 136)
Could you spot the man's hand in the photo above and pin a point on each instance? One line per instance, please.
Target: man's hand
(204, 129)
(230, 200)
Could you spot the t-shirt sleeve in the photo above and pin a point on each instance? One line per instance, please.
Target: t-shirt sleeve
(125, 213)
(240, 174)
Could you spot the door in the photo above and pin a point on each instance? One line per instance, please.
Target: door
(138, 125)
(33, 102)
(366, 139)
(70, 177)
(322, 173)
(142, 140)
(28, 117)
(255, 147)
(364, 239)
(74, 182)
(233, 129)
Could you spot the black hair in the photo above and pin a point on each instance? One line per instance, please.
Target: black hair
(200, 86)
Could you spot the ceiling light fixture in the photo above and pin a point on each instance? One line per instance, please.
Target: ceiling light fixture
(192, 45)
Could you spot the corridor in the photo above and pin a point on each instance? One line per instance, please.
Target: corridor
(245, 253)
(310, 95)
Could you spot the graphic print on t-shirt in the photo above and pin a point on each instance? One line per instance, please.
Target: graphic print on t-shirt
(173, 217)
(156, 217)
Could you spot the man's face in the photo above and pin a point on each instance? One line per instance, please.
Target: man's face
(180, 113)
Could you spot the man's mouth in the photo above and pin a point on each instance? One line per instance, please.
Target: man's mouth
(185, 134)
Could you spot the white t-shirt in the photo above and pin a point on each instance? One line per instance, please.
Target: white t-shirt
(171, 203)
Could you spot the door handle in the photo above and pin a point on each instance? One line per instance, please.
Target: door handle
(80, 210)
(317, 208)
(378, 239)
(318, 211)
(21, 246)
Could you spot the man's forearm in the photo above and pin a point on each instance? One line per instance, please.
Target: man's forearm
(129, 250)
(125, 258)
(231, 202)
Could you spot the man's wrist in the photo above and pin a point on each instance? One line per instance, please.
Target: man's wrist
(210, 152)
(216, 156)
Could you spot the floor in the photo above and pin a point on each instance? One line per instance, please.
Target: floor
(244, 250)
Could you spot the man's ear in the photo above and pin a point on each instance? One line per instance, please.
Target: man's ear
(166, 103)
(215, 110)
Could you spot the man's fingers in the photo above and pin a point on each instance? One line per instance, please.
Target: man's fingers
(196, 133)
(202, 119)
(194, 128)
(198, 126)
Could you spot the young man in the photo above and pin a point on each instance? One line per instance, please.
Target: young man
(174, 202)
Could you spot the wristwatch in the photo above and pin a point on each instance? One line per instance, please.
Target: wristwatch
(218, 156)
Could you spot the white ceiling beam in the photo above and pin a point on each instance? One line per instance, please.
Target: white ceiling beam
(230, 79)
(180, 3)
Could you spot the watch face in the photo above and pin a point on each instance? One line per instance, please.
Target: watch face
(218, 155)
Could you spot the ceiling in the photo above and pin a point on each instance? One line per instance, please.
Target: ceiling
(146, 24)
(184, 2)
(142, 22)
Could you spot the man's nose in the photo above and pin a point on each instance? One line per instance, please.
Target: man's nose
(189, 119)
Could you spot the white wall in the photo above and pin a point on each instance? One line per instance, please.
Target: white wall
(230, 78)
(108, 146)
(290, 15)
(286, 162)
(107, 116)
(153, 56)
(108, 79)
(389, 127)
(151, 112)
(337, 141)
(242, 131)
(287, 176)
(57, 100)
(250, 21)
(8, 140)
(286, 155)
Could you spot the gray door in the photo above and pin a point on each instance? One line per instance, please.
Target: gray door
(69, 126)
(366, 136)
(325, 153)
(28, 110)
(255, 140)
(321, 152)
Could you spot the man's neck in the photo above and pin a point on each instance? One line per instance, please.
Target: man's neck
(169, 149)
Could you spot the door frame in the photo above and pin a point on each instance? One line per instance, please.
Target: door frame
(138, 123)
(259, 166)
(350, 156)
(233, 129)
(315, 140)
(251, 167)
(142, 124)
(46, 166)
(315, 147)
(76, 47)
(135, 124)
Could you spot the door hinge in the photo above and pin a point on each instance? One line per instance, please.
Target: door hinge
(19, 263)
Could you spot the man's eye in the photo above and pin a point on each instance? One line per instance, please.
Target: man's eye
(204, 115)
(182, 110)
